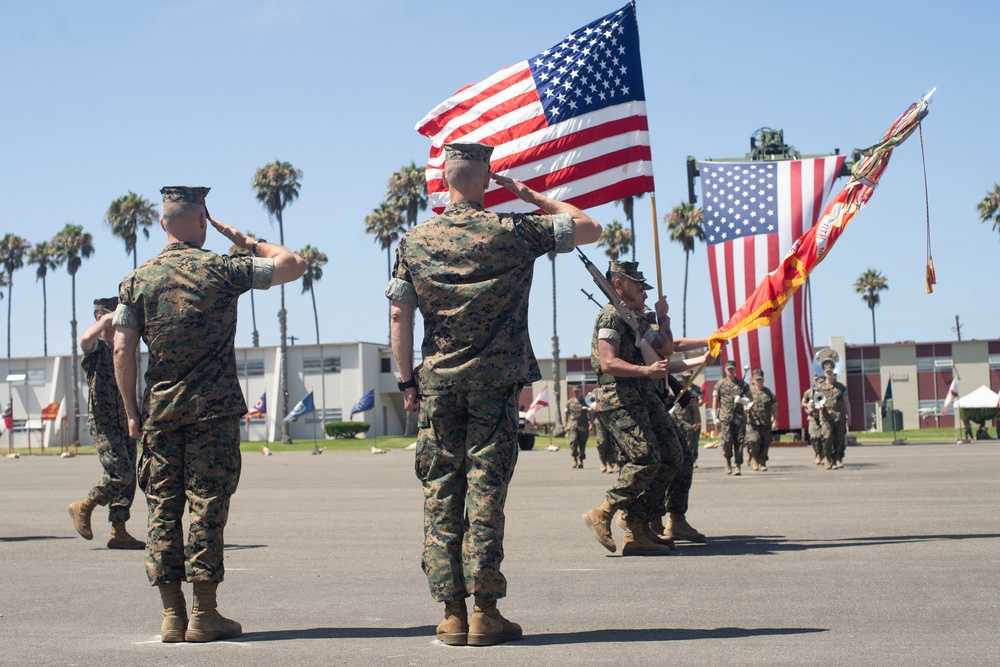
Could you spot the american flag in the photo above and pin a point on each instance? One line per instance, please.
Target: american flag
(754, 211)
(569, 122)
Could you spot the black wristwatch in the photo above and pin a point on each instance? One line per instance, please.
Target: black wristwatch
(403, 386)
(256, 242)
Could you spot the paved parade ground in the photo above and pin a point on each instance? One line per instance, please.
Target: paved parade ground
(890, 561)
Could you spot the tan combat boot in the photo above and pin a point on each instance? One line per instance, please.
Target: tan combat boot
(206, 623)
(838, 464)
(636, 543)
(175, 617)
(80, 512)
(581, 464)
(762, 467)
(752, 464)
(828, 464)
(598, 520)
(679, 529)
(658, 534)
(575, 463)
(454, 629)
(120, 539)
(736, 471)
(817, 459)
(488, 627)
(604, 467)
(729, 467)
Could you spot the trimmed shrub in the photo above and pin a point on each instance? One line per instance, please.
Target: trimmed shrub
(346, 429)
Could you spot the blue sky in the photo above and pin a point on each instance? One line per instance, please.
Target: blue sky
(104, 98)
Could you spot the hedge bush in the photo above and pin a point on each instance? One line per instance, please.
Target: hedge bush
(346, 429)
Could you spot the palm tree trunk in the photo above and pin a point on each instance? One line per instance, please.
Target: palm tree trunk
(556, 371)
(10, 289)
(283, 327)
(45, 318)
(76, 372)
(253, 318)
(874, 342)
(684, 300)
(312, 293)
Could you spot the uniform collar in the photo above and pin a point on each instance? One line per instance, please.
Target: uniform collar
(460, 205)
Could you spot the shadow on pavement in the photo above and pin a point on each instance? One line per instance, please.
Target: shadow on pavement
(338, 633)
(763, 545)
(34, 538)
(237, 547)
(659, 635)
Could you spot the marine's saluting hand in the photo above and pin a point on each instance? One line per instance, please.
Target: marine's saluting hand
(238, 238)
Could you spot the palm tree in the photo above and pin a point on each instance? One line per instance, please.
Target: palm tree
(127, 216)
(628, 208)
(12, 251)
(615, 240)
(386, 223)
(868, 286)
(684, 223)
(45, 255)
(989, 207)
(314, 272)
(233, 252)
(277, 186)
(73, 245)
(408, 192)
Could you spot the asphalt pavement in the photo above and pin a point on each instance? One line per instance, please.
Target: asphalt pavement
(889, 561)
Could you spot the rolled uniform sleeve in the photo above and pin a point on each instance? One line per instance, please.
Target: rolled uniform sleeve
(402, 291)
(609, 334)
(263, 273)
(125, 317)
(564, 231)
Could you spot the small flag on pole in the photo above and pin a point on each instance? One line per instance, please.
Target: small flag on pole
(61, 415)
(541, 401)
(952, 395)
(259, 408)
(49, 412)
(302, 407)
(366, 403)
(886, 398)
(8, 415)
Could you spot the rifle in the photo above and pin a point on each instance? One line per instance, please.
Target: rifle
(638, 324)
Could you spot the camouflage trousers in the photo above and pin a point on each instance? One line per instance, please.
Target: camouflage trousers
(834, 439)
(693, 437)
(650, 455)
(815, 432)
(196, 466)
(758, 439)
(117, 454)
(605, 447)
(466, 452)
(578, 443)
(734, 433)
(680, 486)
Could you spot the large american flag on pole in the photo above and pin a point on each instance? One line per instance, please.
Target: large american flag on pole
(754, 212)
(569, 122)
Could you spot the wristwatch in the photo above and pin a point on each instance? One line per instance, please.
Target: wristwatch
(256, 242)
(403, 386)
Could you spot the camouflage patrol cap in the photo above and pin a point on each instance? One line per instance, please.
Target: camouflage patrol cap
(730, 364)
(184, 194)
(468, 151)
(629, 270)
(758, 373)
(110, 304)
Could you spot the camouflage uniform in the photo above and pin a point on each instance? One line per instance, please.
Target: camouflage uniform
(687, 419)
(814, 430)
(759, 434)
(833, 420)
(645, 437)
(184, 303)
(576, 428)
(109, 429)
(469, 273)
(605, 447)
(732, 417)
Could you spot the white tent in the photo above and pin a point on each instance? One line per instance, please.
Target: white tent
(980, 398)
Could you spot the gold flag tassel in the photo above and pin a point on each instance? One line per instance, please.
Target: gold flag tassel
(930, 277)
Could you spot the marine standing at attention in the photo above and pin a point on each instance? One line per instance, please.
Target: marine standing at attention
(469, 273)
(575, 422)
(183, 305)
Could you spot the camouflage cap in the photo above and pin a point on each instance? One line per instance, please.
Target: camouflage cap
(758, 373)
(730, 364)
(184, 193)
(629, 270)
(110, 304)
(468, 151)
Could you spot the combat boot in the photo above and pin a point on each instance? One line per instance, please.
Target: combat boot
(617, 468)
(762, 467)
(679, 529)
(454, 629)
(488, 627)
(120, 539)
(637, 544)
(817, 459)
(206, 623)
(604, 467)
(575, 463)
(729, 467)
(658, 534)
(838, 464)
(598, 520)
(752, 464)
(736, 470)
(828, 464)
(175, 617)
(80, 512)
(581, 464)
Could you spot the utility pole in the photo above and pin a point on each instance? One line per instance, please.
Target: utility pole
(957, 329)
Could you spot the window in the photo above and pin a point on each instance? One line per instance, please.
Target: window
(250, 367)
(386, 365)
(36, 377)
(316, 365)
(927, 364)
(324, 416)
(995, 361)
